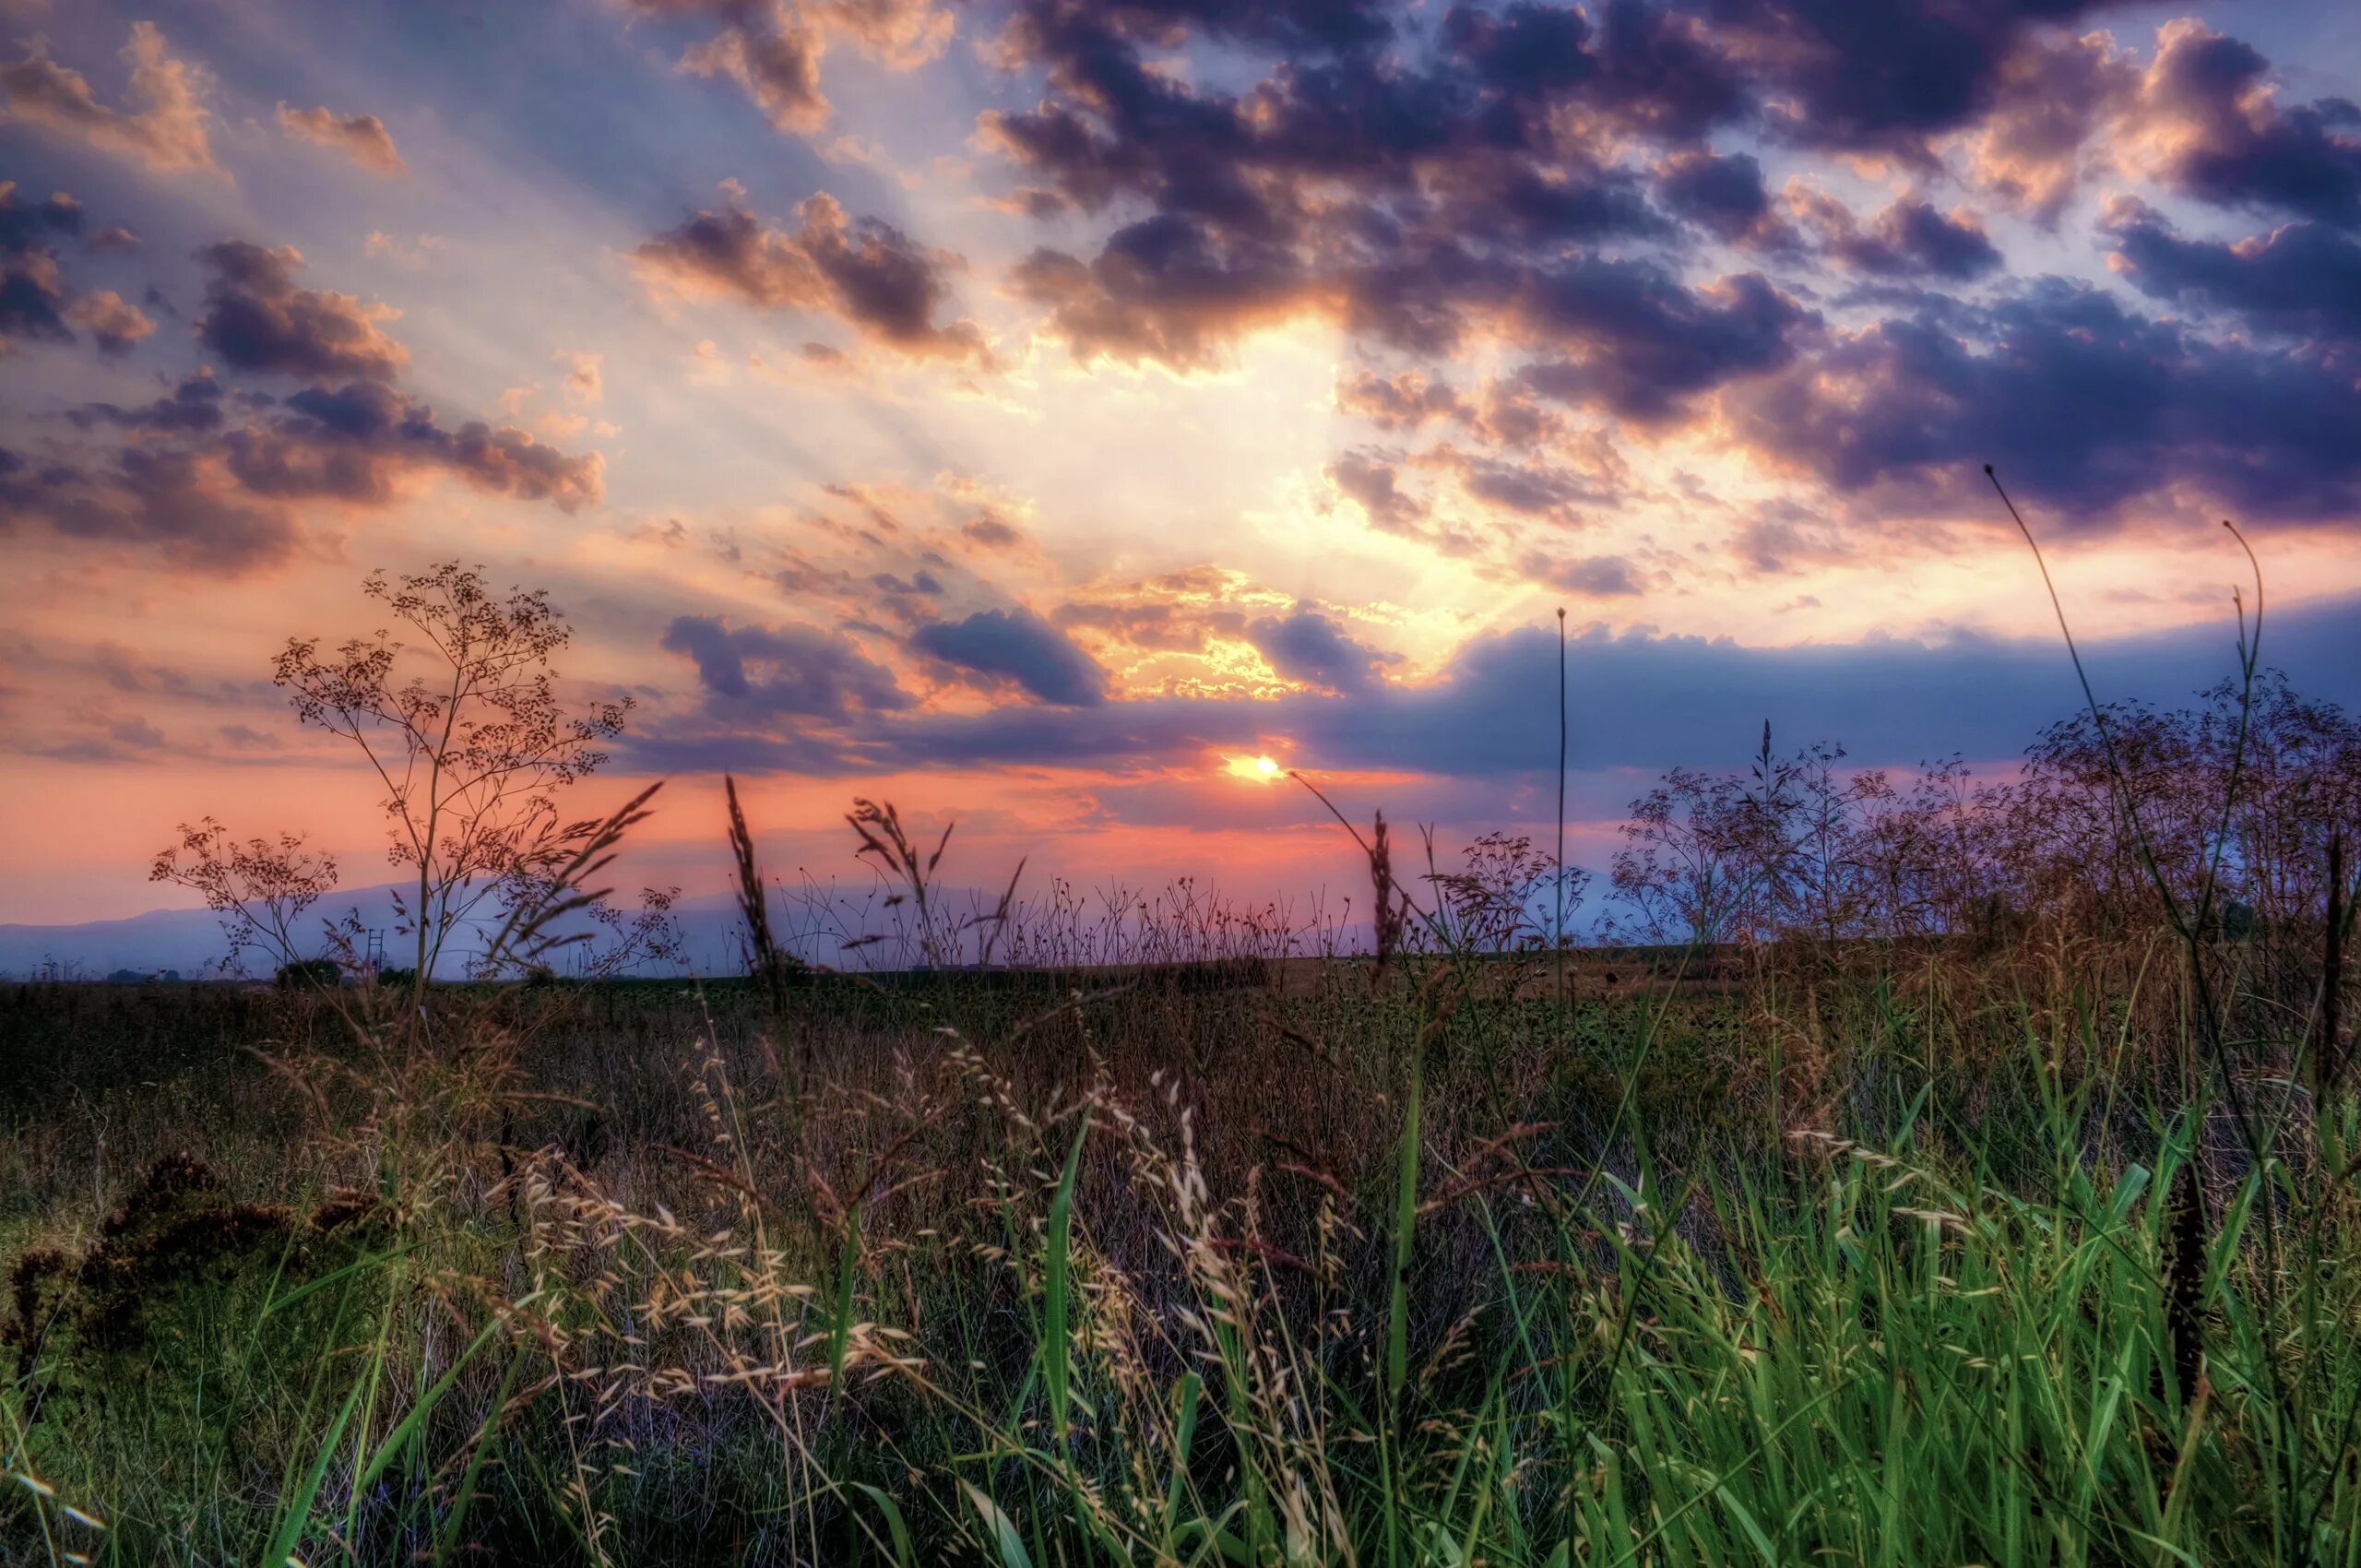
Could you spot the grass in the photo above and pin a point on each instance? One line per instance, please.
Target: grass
(1845, 1257)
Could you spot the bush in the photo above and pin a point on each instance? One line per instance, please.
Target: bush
(308, 973)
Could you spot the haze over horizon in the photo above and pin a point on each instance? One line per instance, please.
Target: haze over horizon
(1029, 412)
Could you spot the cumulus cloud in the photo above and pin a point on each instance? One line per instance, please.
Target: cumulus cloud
(1725, 196)
(166, 129)
(2303, 279)
(1642, 701)
(194, 405)
(2087, 404)
(181, 503)
(364, 442)
(1402, 401)
(257, 319)
(1016, 648)
(1835, 74)
(2215, 126)
(2054, 98)
(1310, 649)
(114, 322)
(866, 272)
(33, 296)
(1909, 239)
(1635, 340)
(361, 137)
(782, 670)
(773, 48)
(1593, 577)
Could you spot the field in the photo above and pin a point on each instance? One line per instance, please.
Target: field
(1874, 1252)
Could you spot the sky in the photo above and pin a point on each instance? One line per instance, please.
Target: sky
(1035, 412)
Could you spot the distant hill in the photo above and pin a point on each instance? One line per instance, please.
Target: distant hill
(814, 923)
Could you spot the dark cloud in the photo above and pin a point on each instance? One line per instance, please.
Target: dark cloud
(215, 479)
(2084, 404)
(1640, 702)
(2231, 142)
(1723, 196)
(33, 296)
(2303, 279)
(782, 670)
(36, 302)
(866, 272)
(362, 442)
(192, 406)
(256, 320)
(1593, 577)
(1638, 342)
(1909, 239)
(179, 503)
(1018, 648)
(1403, 192)
(1310, 649)
(1168, 289)
(1839, 74)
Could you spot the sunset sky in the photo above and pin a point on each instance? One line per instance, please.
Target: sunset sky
(1027, 410)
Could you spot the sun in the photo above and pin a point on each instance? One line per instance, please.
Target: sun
(1260, 769)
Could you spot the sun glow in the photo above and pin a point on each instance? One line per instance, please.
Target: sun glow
(1260, 769)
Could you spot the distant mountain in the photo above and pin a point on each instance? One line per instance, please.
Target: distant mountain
(815, 923)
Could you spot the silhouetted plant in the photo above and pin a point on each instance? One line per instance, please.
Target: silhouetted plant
(258, 888)
(465, 734)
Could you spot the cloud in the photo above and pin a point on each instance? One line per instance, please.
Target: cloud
(2053, 97)
(2302, 279)
(1640, 702)
(781, 669)
(2085, 405)
(166, 131)
(256, 320)
(1909, 239)
(1374, 483)
(1403, 401)
(1016, 648)
(361, 137)
(773, 48)
(2220, 134)
(114, 322)
(1640, 343)
(1840, 74)
(33, 296)
(364, 442)
(1593, 577)
(1310, 649)
(182, 504)
(866, 272)
(1167, 288)
(1725, 196)
(777, 64)
(194, 405)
